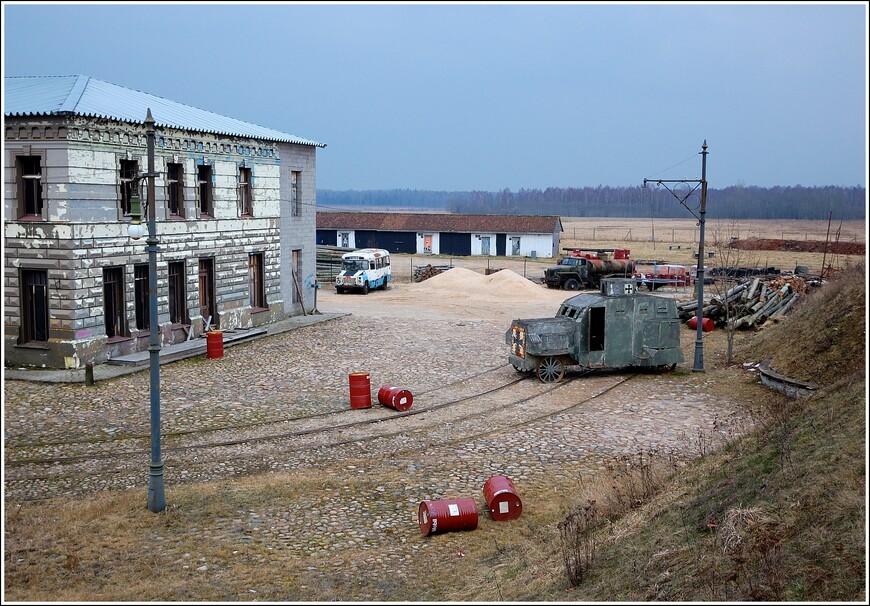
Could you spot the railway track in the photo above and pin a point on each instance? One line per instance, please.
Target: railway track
(318, 439)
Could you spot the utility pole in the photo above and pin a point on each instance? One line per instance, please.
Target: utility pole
(699, 280)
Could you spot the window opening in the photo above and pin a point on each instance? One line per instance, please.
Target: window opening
(29, 186)
(140, 294)
(175, 187)
(113, 301)
(257, 277)
(295, 198)
(129, 170)
(177, 303)
(246, 199)
(34, 296)
(203, 179)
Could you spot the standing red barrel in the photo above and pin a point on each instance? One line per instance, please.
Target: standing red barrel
(706, 324)
(447, 515)
(360, 390)
(395, 397)
(214, 344)
(502, 499)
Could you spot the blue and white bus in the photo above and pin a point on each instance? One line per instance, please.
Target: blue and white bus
(363, 270)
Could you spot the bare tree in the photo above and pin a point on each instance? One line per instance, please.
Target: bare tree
(728, 258)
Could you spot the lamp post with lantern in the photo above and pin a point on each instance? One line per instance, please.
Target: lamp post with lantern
(156, 498)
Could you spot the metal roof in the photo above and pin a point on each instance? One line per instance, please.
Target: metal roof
(86, 96)
(441, 222)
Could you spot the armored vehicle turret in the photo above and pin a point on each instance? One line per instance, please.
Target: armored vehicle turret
(615, 327)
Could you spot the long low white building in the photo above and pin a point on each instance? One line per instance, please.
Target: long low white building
(442, 233)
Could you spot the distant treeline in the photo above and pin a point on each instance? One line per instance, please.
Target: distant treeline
(737, 202)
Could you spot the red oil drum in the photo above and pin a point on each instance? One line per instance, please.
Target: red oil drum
(360, 390)
(502, 499)
(395, 397)
(706, 324)
(214, 344)
(447, 515)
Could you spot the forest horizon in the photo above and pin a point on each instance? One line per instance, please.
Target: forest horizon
(654, 201)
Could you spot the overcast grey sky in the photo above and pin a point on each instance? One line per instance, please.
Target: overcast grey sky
(485, 97)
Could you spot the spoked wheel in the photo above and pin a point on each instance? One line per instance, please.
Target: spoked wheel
(550, 370)
(665, 368)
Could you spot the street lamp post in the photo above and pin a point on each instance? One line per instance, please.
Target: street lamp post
(156, 498)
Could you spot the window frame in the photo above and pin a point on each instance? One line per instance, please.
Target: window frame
(246, 191)
(127, 184)
(257, 281)
(175, 189)
(141, 296)
(21, 180)
(295, 193)
(177, 291)
(205, 190)
(35, 323)
(116, 288)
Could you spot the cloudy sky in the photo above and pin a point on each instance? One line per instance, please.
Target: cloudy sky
(454, 96)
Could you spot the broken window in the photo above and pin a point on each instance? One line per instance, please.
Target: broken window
(128, 173)
(34, 302)
(257, 279)
(175, 188)
(246, 198)
(113, 301)
(177, 298)
(204, 189)
(295, 198)
(140, 294)
(29, 186)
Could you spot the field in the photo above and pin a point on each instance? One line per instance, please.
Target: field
(673, 241)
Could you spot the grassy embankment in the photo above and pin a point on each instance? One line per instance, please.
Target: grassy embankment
(778, 514)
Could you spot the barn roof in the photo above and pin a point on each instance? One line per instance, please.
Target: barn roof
(85, 96)
(439, 222)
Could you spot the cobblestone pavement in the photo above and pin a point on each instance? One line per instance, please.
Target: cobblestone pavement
(360, 514)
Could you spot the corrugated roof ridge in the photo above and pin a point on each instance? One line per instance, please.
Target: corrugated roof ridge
(81, 86)
(75, 94)
(167, 100)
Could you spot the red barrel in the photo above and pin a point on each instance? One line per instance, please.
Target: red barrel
(395, 397)
(447, 515)
(360, 390)
(501, 499)
(214, 344)
(706, 324)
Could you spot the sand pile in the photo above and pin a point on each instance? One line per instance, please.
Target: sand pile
(504, 285)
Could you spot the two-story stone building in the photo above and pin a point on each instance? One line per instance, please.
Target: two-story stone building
(235, 216)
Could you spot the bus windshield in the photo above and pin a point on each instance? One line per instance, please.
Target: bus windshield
(354, 265)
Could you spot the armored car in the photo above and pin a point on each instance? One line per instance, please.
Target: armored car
(615, 327)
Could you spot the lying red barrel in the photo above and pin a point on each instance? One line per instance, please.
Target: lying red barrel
(502, 499)
(706, 324)
(395, 397)
(447, 515)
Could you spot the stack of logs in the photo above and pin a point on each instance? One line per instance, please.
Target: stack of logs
(424, 272)
(750, 303)
(329, 262)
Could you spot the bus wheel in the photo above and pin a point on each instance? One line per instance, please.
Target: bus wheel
(366, 288)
